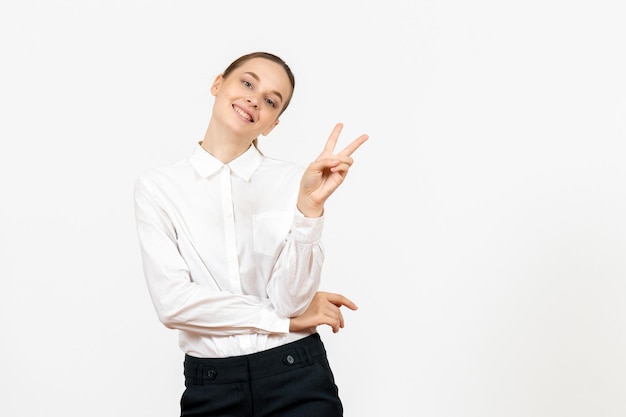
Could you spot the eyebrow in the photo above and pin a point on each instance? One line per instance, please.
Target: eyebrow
(256, 77)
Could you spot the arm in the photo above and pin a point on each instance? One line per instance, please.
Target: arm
(179, 302)
(321, 179)
(297, 270)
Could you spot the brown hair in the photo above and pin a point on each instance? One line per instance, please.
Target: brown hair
(265, 55)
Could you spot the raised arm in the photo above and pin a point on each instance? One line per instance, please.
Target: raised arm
(321, 178)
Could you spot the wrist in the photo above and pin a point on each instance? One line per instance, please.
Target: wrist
(310, 210)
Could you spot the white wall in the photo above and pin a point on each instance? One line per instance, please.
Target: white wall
(481, 229)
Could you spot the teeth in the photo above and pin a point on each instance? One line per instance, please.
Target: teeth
(243, 113)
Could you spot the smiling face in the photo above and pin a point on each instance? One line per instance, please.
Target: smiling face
(249, 99)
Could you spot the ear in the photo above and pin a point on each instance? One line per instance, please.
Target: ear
(217, 84)
(269, 129)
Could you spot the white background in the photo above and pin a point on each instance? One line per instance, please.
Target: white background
(482, 229)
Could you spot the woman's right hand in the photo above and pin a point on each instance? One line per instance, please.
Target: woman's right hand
(325, 308)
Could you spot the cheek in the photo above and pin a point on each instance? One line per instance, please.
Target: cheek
(269, 128)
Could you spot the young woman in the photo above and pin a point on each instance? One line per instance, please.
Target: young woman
(230, 242)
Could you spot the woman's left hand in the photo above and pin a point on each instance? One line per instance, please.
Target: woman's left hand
(324, 175)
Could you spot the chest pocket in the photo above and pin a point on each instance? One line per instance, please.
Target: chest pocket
(269, 231)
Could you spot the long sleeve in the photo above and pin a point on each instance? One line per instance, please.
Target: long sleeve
(181, 303)
(297, 271)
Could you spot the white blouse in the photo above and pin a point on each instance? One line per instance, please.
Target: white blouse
(227, 256)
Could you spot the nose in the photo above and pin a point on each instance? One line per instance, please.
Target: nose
(253, 101)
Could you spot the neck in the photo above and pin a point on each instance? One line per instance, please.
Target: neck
(223, 145)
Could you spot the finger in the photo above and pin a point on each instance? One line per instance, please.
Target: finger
(335, 318)
(324, 164)
(332, 139)
(333, 164)
(339, 300)
(342, 166)
(337, 324)
(332, 319)
(349, 150)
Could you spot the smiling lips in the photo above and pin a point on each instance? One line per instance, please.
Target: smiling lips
(244, 114)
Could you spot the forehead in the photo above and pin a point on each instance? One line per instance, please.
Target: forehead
(270, 74)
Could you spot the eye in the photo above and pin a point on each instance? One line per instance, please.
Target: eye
(270, 102)
(247, 84)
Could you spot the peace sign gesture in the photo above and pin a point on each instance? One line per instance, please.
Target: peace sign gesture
(325, 174)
